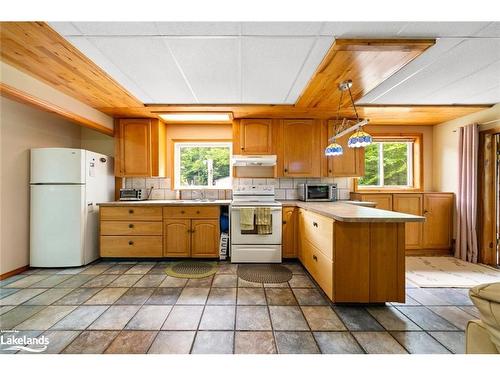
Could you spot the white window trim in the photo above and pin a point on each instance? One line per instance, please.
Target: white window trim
(177, 162)
(409, 169)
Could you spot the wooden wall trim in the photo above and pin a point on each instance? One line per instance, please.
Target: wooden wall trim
(25, 98)
(17, 271)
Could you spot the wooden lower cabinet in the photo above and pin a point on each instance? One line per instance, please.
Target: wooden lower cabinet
(360, 262)
(437, 228)
(435, 235)
(177, 237)
(289, 232)
(205, 238)
(134, 231)
(410, 204)
(382, 201)
(131, 246)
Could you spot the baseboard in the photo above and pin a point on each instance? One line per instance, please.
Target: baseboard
(428, 252)
(14, 272)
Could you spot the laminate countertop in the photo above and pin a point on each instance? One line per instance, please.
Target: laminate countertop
(168, 202)
(349, 211)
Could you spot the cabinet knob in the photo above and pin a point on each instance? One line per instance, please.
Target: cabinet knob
(286, 170)
(130, 243)
(329, 171)
(243, 148)
(130, 211)
(284, 221)
(315, 258)
(182, 212)
(197, 212)
(131, 225)
(315, 224)
(426, 212)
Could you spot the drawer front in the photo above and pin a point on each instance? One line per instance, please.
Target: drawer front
(131, 228)
(131, 213)
(319, 266)
(131, 246)
(191, 212)
(318, 230)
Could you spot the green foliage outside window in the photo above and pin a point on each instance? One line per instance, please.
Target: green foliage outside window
(395, 164)
(194, 169)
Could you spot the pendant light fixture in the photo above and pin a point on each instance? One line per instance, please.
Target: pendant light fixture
(359, 138)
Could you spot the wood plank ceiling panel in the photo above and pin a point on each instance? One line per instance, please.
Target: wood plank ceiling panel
(366, 62)
(34, 48)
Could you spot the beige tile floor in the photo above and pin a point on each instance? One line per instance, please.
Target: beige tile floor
(133, 307)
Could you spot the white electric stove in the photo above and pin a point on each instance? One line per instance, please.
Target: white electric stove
(249, 246)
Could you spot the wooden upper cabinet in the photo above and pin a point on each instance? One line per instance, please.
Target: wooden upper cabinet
(438, 212)
(301, 151)
(350, 164)
(140, 148)
(253, 137)
(410, 204)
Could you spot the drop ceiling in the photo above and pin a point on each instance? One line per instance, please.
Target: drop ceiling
(272, 62)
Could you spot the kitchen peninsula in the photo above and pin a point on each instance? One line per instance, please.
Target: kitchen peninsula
(355, 253)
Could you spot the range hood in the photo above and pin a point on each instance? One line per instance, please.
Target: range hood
(254, 160)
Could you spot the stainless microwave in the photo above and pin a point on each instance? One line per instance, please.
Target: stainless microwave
(317, 192)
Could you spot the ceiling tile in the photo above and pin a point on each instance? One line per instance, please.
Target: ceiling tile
(281, 28)
(270, 66)
(198, 28)
(441, 29)
(318, 52)
(362, 29)
(148, 63)
(116, 28)
(90, 50)
(212, 67)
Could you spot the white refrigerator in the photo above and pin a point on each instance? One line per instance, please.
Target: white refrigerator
(66, 184)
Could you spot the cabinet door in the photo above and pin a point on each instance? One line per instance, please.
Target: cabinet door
(255, 137)
(301, 148)
(410, 204)
(350, 164)
(289, 238)
(383, 201)
(438, 212)
(205, 238)
(177, 237)
(134, 142)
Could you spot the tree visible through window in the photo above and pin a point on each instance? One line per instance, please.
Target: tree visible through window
(388, 164)
(201, 165)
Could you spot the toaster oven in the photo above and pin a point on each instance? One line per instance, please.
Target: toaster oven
(133, 194)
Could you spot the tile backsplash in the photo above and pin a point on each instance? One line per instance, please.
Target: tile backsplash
(286, 188)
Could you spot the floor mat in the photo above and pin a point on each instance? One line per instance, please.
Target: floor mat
(191, 270)
(264, 273)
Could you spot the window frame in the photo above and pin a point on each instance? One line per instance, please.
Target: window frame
(416, 164)
(177, 145)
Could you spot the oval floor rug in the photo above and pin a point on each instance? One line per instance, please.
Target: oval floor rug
(264, 273)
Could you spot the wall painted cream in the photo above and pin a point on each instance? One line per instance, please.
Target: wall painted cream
(97, 142)
(21, 128)
(427, 135)
(445, 147)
